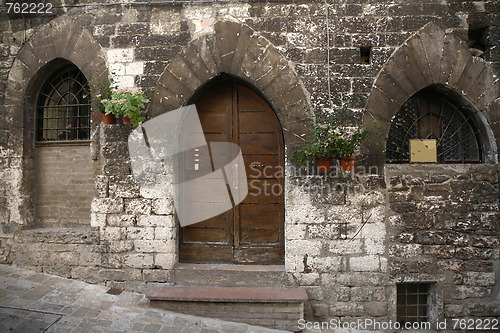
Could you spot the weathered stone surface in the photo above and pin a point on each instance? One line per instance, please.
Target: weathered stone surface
(348, 248)
(376, 309)
(342, 309)
(107, 205)
(138, 206)
(485, 309)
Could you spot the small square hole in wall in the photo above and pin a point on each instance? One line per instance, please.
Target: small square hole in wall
(414, 302)
(477, 40)
(365, 53)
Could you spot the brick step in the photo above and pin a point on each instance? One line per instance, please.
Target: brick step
(224, 275)
(227, 294)
(279, 308)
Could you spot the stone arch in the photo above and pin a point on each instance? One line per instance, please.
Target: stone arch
(433, 57)
(61, 40)
(235, 49)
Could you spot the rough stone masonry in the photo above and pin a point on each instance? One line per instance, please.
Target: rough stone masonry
(350, 239)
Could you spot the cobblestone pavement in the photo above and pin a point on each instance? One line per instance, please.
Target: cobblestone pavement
(36, 302)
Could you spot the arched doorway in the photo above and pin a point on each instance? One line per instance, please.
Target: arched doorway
(253, 231)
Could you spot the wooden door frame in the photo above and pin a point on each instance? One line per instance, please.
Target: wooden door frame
(220, 79)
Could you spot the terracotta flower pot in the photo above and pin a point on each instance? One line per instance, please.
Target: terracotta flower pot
(108, 118)
(324, 164)
(346, 163)
(126, 120)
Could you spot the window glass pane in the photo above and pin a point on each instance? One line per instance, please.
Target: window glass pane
(63, 107)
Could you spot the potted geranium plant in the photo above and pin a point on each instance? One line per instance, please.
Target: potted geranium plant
(345, 144)
(333, 139)
(320, 149)
(102, 91)
(127, 102)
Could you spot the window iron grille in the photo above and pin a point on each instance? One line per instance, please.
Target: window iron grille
(413, 302)
(429, 115)
(63, 107)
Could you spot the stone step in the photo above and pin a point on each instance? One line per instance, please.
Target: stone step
(223, 275)
(79, 235)
(279, 308)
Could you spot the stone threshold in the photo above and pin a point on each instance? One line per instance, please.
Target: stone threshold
(231, 267)
(227, 294)
(230, 275)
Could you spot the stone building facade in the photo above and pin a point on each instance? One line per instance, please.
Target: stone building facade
(353, 241)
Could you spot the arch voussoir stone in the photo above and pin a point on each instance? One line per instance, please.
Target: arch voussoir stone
(381, 106)
(398, 94)
(418, 52)
(256, 51)
(471, 75)
(28, 58)
(235, 49)
(463, 57)
(283, 82)
(175, 85)
(165, 100)
(183, 73)
(432, 57)
(195, 63)
(268, 71)
(205, 54)
(489, 95)
(487, 77)
(432, 39)
(241, 48)
(401, 77)
(215, 52)
(405, 59)
(451, 48)
(226, 38)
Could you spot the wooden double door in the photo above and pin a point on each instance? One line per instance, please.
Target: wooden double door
(252, 232)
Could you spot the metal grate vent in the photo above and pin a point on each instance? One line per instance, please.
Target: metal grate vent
(412, 302)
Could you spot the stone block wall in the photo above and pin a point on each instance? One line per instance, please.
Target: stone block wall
(349, 239)
(137, 227)
(443, 227)
(61, 251)
(337, 244)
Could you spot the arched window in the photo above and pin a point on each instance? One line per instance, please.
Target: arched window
(432, 115)
(63, 107)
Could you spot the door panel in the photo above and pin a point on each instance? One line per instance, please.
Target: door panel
(252, 232)
(256, 122)
(258, 217)
(263, 166)
(257, 143)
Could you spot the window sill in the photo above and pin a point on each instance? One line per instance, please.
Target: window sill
(62, 143)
